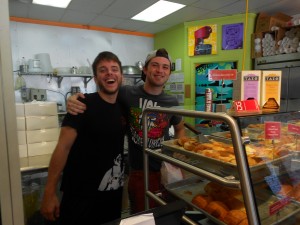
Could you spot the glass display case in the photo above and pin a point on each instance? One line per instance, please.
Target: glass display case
(247, 174)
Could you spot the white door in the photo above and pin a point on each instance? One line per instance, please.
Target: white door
(10, 177)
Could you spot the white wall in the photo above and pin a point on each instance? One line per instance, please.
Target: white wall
(69, 47)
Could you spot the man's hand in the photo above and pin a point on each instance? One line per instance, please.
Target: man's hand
(50, 207)
(74, 106)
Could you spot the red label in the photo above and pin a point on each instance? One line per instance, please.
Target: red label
(246, 105)
(293, 128)
(272, 130)
(222, 75)
(277, 206)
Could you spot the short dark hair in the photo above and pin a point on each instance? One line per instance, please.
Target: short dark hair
(106, 55)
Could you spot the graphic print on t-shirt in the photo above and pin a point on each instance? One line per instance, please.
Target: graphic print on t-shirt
(157, 122)
(113, 178)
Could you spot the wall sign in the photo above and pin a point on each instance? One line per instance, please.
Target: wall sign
(202, 40)
(232, 36)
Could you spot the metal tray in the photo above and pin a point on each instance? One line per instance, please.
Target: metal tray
(254, 136)
(186, 189)
(221, 168)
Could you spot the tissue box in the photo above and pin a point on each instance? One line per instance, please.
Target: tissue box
(22, 137)
(247, 85)
(271, 90)
(23, 151)
(40, 109)
(41, 122)
(20, 109)
(42, 135)
(21, 123)
(41, 148)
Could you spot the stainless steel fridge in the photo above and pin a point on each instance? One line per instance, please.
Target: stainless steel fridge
(289, 64)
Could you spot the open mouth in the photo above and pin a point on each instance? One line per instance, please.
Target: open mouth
(110, 81)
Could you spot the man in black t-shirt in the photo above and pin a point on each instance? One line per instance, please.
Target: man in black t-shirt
(89, 155)
(135, 99)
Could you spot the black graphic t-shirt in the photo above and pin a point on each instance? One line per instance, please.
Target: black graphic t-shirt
(95, 163)
(135, 100)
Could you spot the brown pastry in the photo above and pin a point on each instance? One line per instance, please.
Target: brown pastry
(234, 217)
(217, 209)
(244, 222)
(202, 200)
(251, 161)
(236, 204)
(190, 145)
(286, 190)
(220, 193)
(213, 189)
(211, 153)
(182, 140)
(296, 192)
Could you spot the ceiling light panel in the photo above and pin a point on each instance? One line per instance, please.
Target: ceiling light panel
(157, 11)
(53, 3)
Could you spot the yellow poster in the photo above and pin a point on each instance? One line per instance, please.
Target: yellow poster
(202, 40)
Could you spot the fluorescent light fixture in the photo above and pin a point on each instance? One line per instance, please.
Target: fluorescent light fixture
(54, 3)
(157, 11)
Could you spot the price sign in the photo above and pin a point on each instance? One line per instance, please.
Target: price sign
(293, 128)
(222, 75)
(277, 206)
(272, 130)
(246, 105)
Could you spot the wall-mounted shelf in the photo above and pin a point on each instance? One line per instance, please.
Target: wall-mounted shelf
(60, 77)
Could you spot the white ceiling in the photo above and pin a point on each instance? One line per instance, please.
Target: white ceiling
(117, 13)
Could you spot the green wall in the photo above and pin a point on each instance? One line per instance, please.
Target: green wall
(175, 40)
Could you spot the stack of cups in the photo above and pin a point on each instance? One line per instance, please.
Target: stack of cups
(45, 62)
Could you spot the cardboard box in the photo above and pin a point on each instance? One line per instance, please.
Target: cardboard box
(41, 148)
(265, 22)
(21, 125)
(247, 85)
(22, 137)
(43, 135)
(20, 111)
(270, 90)
(41, 109)
(23, 151)
(256, 45)
(41, 122)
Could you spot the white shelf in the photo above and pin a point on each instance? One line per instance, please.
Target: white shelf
(60, 77)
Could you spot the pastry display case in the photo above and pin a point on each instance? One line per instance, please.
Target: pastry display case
(247, 174)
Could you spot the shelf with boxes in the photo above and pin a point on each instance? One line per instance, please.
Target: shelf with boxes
(60, 77)
(37, 128)
(275, 35)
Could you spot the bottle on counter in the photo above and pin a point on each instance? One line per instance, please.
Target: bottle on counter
(208, 100)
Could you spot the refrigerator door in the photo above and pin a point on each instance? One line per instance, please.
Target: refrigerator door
(284, 89)
(293, 103)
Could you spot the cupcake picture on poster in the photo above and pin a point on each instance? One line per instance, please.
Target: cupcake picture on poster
(202, 40)
(232, 36)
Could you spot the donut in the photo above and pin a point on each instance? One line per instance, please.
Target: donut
(217, 209)
(234, 217)
(201, 200)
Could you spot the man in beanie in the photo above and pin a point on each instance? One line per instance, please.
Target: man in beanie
(135, 99)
